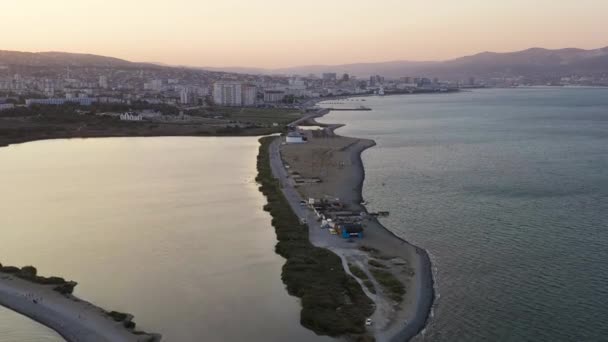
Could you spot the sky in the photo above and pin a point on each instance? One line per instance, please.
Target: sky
(282, 33)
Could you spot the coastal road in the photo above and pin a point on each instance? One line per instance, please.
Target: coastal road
(287, 186)
(318, 236)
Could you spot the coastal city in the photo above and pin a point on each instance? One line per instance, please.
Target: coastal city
(303, 171)
(192, 88)
(311, 176)
(200, 88)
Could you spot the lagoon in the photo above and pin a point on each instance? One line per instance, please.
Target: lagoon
(169, 229)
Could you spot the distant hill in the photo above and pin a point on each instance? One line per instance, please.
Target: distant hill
(239, 70)
(54, 59)
(530, 62)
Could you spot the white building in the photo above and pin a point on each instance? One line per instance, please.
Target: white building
(150, 114)
(228, 93)
(273, 96)
(250, 95)
(103, 82)
(187, 96)
(5, 106)
(131, 116)
(294, 138)
(155, 85)
(83, 101)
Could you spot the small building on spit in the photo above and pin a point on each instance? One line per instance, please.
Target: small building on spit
(295, 138)
(350, 230)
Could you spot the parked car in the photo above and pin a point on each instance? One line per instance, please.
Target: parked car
(368, 322)
(303, 221)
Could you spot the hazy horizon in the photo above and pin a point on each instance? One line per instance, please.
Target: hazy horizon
(273, 34)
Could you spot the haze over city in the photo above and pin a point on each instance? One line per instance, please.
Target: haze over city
(275, 33)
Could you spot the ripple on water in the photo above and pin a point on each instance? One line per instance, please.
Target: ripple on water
(508, 191)
(15, 327)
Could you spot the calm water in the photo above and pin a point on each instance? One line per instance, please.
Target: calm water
(508, 191)
(169, 229)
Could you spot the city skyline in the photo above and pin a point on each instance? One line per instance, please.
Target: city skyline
(271, 34)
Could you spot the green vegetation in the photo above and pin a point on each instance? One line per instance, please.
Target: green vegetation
(261, 116)
(375, 253)
(118, 316)
(370, 285)
(60, 115)
(22, 124)
(357, 272)
(62, 286)
(37, 122)
(333, 302)
(389, 283)
(384, 257)
(123, 318)
(30, 273)
(376, 263)
(368, 249)
(365, 338)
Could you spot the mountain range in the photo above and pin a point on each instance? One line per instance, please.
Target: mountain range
(530, 63)
(61, 59)
(535, 62)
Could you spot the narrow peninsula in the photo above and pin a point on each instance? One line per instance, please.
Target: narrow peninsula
(50, 302)
(313, 181)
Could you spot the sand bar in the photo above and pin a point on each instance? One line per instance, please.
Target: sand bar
(336, 160)
(71, 317)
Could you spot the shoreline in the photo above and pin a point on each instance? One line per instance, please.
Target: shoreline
(425, 287)
(314, 275)
(19, 141)
(424, 283)
(69, 316)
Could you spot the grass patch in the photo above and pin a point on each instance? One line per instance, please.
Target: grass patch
(118, 316)
(333, 302)
(368, 249)
(370, 285)
(357, 272)
(389, 283)
(30, 273)
(376, 263)
(375, 253)
(261, 116)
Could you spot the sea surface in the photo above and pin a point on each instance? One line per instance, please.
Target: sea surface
(508, 191)
(169, 229)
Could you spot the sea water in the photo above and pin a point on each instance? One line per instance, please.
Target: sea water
(508, 191)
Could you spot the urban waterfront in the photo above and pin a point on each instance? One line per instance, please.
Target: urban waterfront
(168, 229)
(508, 191)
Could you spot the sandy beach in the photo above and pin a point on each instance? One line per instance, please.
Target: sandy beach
(336, 161)
(71, 317)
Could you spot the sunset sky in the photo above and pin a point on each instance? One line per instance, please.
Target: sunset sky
(280, 33)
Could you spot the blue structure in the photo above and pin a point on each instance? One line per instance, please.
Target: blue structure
(349, 230)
